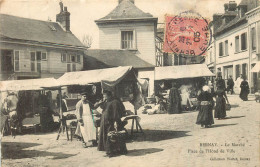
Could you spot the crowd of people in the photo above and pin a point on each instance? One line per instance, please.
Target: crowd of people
(205, 116)
(111, 136)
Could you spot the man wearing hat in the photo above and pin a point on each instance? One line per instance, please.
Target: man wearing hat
(86, 127)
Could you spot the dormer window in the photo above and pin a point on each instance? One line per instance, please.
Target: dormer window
(127, 40)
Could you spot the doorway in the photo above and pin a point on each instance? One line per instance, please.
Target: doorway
(7, 60)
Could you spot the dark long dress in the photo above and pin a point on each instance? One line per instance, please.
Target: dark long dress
(113, 111)
(230, 84)
(220, 110)
(220, 83)
(244, 90)
(174, 101)
(205, 116)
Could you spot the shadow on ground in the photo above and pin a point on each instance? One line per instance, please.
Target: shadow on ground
(158, 135)
(231, 117)
(234, 106)
(221, 125)
(140, 152)
(15, 150)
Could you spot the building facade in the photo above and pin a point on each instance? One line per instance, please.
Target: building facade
(38, 49)
(210, 54)
(129, 28)
(233, 46)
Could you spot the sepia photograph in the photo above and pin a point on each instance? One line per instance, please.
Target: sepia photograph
(130, 83)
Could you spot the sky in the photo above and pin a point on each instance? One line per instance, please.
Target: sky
(85, 12)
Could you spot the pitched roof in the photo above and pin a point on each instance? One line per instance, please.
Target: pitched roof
(232, 23)
(104, 58)
(36, 30)
(126, 10)
(251, 4)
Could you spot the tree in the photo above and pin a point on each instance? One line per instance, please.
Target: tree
(87, 40)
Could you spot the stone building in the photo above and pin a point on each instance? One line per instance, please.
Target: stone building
(38, 49)
(236, 37)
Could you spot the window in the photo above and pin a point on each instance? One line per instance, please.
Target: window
(68, 67)
(73, 58)
(127, 41)
(244, 70)
(44, 56)
(63, 57)
(237, 44)
(244, 41)
(32, 61)
(39, 56)
(238, 71)
(36, 58)
(73, 67)
(226, 48)
(70, 58)
(220, 49)
(16, 60)
(253, 38)
(78, 58)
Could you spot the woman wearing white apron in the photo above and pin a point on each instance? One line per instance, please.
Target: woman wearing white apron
(85, 121)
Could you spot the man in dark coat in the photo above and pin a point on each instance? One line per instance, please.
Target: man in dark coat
(230, 85)
(244, 90)
(174, 100)
(113, 111)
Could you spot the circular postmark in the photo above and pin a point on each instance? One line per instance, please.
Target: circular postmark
(187, 33)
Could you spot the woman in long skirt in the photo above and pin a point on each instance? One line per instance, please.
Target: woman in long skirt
(221, 99)
(244, 90)
(174, 100)
(205, 116)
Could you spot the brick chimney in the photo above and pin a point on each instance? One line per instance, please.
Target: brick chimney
(230, 12)
(64, 17)
(232, 6)
(133, 1)
(242, 9)
(217, 21)
(226, 6)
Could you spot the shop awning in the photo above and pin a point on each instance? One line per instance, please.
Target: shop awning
(28, 84)
(182, 71)
(256, 68)
(108, 77)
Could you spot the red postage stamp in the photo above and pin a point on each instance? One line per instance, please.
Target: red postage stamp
(187, 33)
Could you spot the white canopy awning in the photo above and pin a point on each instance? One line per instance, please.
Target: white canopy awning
(28, 84)
(182, 71)
(256, 68)
(109, 76)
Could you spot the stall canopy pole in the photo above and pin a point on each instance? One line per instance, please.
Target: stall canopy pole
(63, 124)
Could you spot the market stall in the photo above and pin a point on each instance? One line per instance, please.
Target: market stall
(31, 102)
(190, 79)
(121, 80)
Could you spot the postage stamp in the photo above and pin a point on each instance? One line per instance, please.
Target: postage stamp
(187, 33)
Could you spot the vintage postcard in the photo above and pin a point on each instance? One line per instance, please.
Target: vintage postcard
(130, 83)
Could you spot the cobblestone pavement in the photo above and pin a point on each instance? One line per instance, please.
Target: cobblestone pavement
(169, 140)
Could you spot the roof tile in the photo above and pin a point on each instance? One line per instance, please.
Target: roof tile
(126, 9)
(104, 58)
(36, 30)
